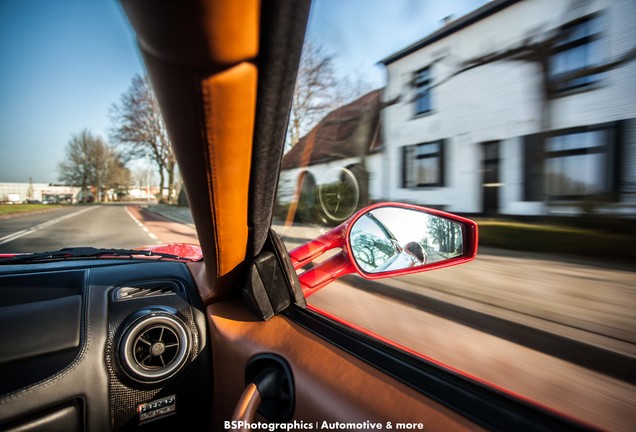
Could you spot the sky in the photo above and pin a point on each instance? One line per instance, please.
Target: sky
(362, 32)
(64, 63)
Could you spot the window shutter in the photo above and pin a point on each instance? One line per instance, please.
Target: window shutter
(442, 162)
(533, 167)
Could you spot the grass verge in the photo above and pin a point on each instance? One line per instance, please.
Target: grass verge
(558, 239)
(11, 209)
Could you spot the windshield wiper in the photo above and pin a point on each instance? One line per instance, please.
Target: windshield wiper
(84, 252)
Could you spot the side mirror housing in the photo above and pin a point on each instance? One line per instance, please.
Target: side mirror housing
(397, 239)
(386, 240)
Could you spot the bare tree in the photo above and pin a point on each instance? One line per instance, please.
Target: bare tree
(139, 127)
(116, 176)
(446, 233)
(350, 88)
(98, 162)
(91, 162)
(371, 251)
(319, 90)
(76, 168)
(313, 95)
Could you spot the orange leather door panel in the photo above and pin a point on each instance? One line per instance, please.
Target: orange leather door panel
(331, 385)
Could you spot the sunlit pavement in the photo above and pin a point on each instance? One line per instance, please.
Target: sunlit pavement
(566, 387)
(166, 230)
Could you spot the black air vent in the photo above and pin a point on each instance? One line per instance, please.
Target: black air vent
(147, 289)
(154, 346)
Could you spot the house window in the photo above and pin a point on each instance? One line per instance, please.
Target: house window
(422, 82)
(576, 165)
(576, 51)
(423, 165)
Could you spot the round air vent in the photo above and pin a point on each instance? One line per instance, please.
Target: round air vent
(154, 347)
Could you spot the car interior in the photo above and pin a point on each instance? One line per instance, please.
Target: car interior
(217, 344)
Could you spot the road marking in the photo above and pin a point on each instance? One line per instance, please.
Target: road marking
(17, 235)
(141, 225)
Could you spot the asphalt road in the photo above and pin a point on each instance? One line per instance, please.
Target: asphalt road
(106, 226)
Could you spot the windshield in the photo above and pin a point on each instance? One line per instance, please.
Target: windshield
(84, 155)
(518, 115)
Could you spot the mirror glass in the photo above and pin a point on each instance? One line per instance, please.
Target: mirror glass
(393, 238)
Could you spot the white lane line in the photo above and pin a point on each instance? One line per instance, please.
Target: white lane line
(151, 235)
(18, 234)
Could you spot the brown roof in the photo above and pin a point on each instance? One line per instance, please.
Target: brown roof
(349, 131)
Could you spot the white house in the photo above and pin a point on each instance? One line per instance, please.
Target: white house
(327, 171)
(520, 107)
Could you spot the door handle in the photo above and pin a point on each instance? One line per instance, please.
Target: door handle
(270, 392)
(246, 407)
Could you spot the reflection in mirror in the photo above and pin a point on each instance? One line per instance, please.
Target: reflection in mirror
(393, 238)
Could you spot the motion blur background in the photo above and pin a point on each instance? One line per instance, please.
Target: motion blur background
(518, 114)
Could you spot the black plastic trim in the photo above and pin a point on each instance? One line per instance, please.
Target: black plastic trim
(485, 406)
(272, 282)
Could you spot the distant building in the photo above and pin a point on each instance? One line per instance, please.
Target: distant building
(15, 193)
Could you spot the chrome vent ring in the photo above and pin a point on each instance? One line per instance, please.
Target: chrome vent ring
(154, 347)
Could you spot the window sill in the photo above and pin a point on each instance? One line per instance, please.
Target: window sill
(581, 201)
(423, 114)
(426, 187)
(556, 94)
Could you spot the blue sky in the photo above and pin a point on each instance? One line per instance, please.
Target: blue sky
(63, 64)
(363, 32)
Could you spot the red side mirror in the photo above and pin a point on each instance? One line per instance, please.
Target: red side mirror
(386, 240)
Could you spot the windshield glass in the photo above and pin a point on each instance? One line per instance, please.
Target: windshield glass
(518, 115)
(84, 156)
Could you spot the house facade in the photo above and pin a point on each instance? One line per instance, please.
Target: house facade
(520, 107)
